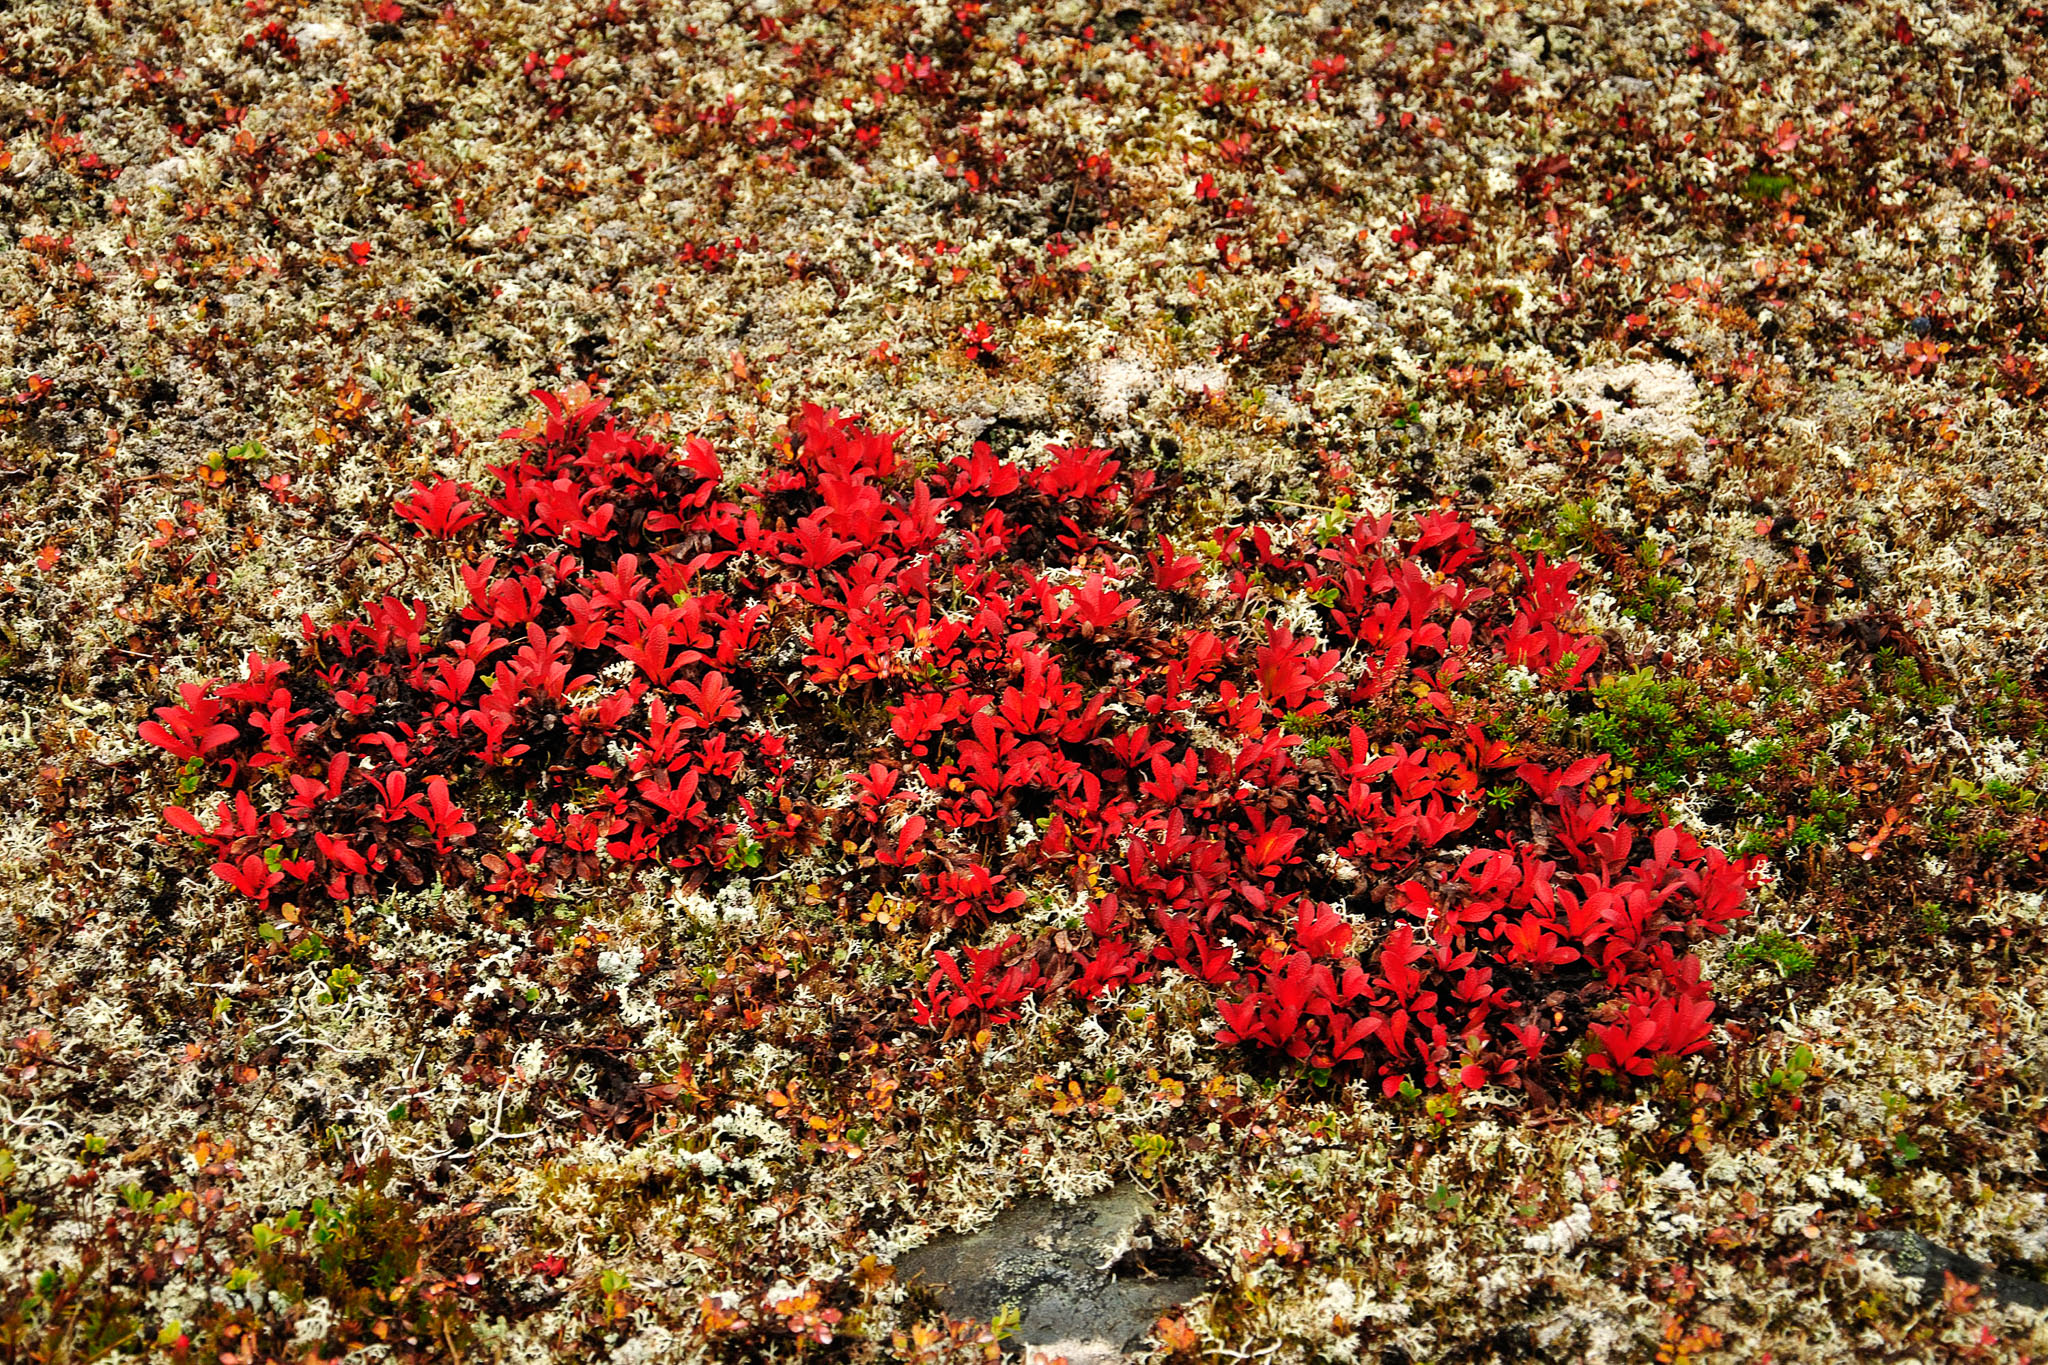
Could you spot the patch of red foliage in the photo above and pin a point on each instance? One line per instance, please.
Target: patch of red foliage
(1019, 681)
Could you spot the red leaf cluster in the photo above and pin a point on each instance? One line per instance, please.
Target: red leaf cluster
(1034, 687)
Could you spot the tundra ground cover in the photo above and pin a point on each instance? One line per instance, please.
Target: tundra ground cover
(1736, 312)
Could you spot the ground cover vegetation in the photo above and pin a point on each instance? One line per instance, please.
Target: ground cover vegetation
(654, 652)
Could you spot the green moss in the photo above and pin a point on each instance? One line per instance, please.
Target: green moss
(1661, 727)
(1763, 185)
(1778, 951)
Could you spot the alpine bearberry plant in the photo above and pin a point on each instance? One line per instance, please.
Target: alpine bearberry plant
(1267, 759)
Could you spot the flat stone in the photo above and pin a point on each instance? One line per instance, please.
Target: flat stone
(1914, 1256)
(1084, 1277)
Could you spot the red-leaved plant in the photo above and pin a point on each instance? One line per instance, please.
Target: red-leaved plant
(1018, 681)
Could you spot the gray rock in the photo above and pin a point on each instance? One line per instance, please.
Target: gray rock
(1085, 1277)
(1914, 1256)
